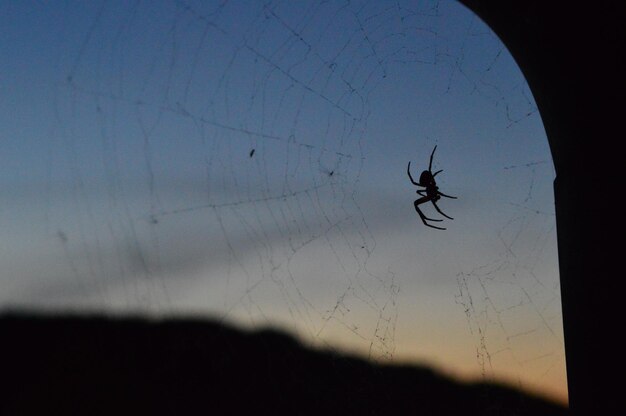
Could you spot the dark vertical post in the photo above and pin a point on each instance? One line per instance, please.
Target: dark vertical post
(571, 54)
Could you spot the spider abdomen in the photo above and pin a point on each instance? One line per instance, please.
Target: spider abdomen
(426, 178)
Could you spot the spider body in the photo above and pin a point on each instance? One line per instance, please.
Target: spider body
(430, 193)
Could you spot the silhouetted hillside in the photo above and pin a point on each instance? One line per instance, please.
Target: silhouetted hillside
(98, 366)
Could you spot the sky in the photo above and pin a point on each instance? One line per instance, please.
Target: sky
(246, 161)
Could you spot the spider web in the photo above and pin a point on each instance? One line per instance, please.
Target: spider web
(247, 160)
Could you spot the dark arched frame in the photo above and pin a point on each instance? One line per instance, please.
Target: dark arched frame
(571, 54)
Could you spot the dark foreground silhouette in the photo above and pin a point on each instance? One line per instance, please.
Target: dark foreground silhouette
(100, 366)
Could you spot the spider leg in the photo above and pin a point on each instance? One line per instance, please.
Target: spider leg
(438, 172)
(439, 211)
(421, 201)
(421, 192)
(421, 214)
(447, 196)
(408, 170)
(430, 165)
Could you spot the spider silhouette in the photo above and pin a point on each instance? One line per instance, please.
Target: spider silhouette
(431, 193)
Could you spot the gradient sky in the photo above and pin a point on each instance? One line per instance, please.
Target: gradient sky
(247, 161)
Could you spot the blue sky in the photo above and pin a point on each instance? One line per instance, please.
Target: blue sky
(247, 161)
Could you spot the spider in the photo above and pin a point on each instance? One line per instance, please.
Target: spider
(431, 193)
